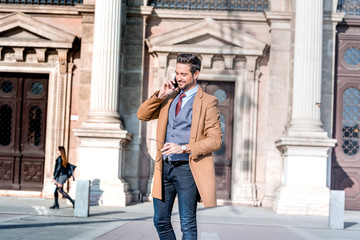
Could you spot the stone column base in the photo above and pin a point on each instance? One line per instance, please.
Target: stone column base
(100, 157)
(302, 201)
(109, 193)
(244, 194)
(304, 189)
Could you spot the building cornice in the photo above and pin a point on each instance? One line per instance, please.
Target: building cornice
(278, 16)
(141, 10)
(216, 15)
(40, 9)
(333, 17)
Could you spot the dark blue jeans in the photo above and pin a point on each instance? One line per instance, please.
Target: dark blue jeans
(177, 180)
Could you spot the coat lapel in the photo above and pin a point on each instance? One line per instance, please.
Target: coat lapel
(164, 117)
(196, 114)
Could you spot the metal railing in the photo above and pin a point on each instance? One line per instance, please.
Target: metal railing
(43, 2)
(215, 5)
(349, 7)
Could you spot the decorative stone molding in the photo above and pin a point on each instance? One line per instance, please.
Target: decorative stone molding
(140, 10)
(40, 54)
(176, 41)
(62, 59)
(70, 67)
(330, 18)
(206, 60)
(229, 61)
(163, 59)
(42, 34)
(251, 63)
(19, 53)
(226, 42)
(38, 38)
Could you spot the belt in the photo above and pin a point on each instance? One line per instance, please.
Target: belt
(176, 163)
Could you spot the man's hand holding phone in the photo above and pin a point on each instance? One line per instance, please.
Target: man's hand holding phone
(168, 88)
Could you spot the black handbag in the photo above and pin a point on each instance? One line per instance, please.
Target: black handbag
(71, 169)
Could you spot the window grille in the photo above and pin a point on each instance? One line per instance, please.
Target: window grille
(215, 5)
(43, 2)
(351, 8)
(350, 122)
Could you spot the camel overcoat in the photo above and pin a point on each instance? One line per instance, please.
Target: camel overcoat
(205, 138)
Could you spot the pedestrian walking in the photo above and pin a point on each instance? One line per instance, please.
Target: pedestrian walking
(62, 171)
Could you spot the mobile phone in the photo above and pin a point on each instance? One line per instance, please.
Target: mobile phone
(175, 84)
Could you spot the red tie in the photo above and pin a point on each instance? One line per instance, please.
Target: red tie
(178, 105)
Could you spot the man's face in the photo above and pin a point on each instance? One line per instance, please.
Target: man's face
(185, 79)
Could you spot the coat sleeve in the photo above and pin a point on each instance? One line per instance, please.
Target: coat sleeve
(57, 167)
(150, 109)
(211, 139)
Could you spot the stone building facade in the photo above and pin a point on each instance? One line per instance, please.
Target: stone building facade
(80, 72)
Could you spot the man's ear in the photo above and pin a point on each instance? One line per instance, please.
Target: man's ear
(196, 74)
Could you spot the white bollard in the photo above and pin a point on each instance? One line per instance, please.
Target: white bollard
(82, 200)
(337, 209)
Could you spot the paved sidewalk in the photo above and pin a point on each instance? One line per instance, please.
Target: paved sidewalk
(30, 218)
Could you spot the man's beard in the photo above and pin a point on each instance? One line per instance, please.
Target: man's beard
(187, 86)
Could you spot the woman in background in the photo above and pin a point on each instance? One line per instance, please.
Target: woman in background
(61, 174)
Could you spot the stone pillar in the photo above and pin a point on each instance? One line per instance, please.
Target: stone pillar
(269, 160)
(305, 144)
(243, 187)
(102, 138)
(105, 66)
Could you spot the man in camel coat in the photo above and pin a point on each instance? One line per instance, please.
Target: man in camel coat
(188, 131)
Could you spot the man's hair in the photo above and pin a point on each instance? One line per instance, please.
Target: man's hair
(191, 59)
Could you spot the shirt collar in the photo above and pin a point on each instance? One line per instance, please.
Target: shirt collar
(191, 91)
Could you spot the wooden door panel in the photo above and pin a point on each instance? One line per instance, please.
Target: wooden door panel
(23, 105)
(348, 179)
(6, 170)
(32, 173)
(348, 119)
(223, 158)
(8, 111)
(346, 155)
(33, 137)
(9, 107)
(34, 116)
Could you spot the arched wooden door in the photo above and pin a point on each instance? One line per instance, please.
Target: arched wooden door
(224, 91)
(346, 157)
(23, 105)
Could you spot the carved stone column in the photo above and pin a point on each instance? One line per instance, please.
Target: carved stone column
(243, 165)
(305, 144)
(102, 137)
(269, 167)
